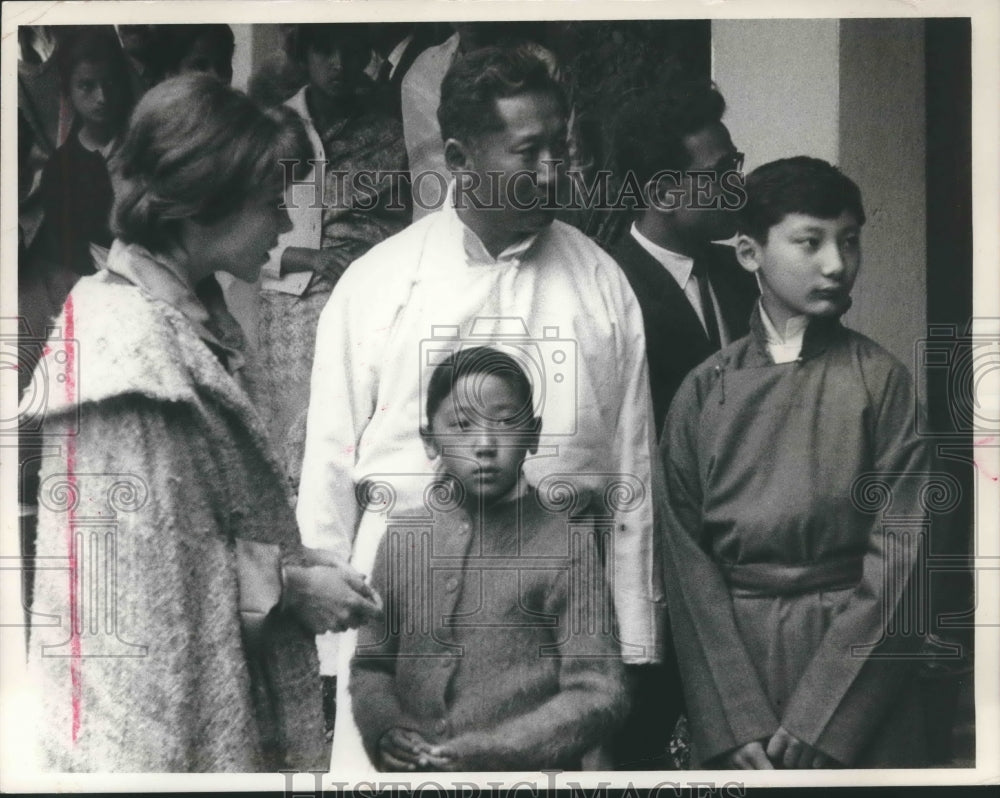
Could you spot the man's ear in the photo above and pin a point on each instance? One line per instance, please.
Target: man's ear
(667, 191)
(532, 438)
(457, 156)
(748, 252)
(430, 444)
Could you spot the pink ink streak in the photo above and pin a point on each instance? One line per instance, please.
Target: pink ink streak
(994, 477)
(984, 441)
(75, 661)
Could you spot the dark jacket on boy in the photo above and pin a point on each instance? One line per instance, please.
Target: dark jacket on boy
(498, 639)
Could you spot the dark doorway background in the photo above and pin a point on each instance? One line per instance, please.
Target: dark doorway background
(949, 374)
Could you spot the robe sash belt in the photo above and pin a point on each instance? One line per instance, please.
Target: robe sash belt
(779, 579)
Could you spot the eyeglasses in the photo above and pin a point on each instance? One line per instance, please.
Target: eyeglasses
(730, 163)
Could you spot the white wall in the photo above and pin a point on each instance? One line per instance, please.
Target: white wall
(850, 92)
(780, 81)
(243, 55)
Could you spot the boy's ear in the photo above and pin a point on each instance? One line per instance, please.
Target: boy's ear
(430, 444)
(748, 252)
(457, 156)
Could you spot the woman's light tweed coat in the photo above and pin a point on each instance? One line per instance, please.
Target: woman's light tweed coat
(148, 405)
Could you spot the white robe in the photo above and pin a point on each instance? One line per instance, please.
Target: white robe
(557, 300)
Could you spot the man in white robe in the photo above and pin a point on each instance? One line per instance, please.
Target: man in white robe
(490, 268)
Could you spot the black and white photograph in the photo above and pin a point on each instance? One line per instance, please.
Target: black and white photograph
(492, 396)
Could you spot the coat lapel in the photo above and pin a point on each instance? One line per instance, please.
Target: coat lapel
(665, 307)
(734, 288)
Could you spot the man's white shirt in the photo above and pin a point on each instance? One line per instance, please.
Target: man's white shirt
(555, 297)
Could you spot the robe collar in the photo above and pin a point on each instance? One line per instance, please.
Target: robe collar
(819, 335)
(473, 249)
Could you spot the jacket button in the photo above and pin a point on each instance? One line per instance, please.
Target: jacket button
(451, 584)
(464, 528)
(441, 726)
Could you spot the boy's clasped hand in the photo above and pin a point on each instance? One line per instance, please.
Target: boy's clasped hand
(405, 749)
(783, 751)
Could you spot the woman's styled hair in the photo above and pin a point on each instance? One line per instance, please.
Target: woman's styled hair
(198, 149)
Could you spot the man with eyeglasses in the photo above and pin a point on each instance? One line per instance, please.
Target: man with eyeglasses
(694, 298)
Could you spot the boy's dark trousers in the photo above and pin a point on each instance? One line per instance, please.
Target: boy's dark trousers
(656, 703)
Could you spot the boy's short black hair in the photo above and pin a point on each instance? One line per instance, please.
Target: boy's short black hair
(796, 185)
(650, 131)
(176, 41)
(476, 81)
(353, 38)
(483, 361)
(97, 45)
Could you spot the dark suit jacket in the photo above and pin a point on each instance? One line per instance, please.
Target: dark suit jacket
(424, 36)
(675, 340)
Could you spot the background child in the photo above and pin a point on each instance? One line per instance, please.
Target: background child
(75, 186)
(351, 133)
(776, 575)
(196, 48)
(496, 651)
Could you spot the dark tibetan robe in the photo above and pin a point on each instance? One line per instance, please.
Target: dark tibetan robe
(795, 517)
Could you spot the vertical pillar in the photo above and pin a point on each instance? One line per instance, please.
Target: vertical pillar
(883, 148)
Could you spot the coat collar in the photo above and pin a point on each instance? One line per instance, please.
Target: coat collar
(677, 265)
(114, 339)
(162, 278)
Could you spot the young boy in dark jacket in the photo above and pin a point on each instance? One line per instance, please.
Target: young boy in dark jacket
(497, 649)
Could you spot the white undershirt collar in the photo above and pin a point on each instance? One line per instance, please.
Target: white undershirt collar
(784, 348)
(679, 266)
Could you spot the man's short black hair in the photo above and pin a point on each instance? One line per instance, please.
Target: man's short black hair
(482, 361)
(476, 81)
(804, 185)
(649, 135)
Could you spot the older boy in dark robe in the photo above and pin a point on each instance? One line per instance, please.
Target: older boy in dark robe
(788, 588)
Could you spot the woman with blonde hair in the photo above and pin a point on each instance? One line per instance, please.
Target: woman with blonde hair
(183, 631)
